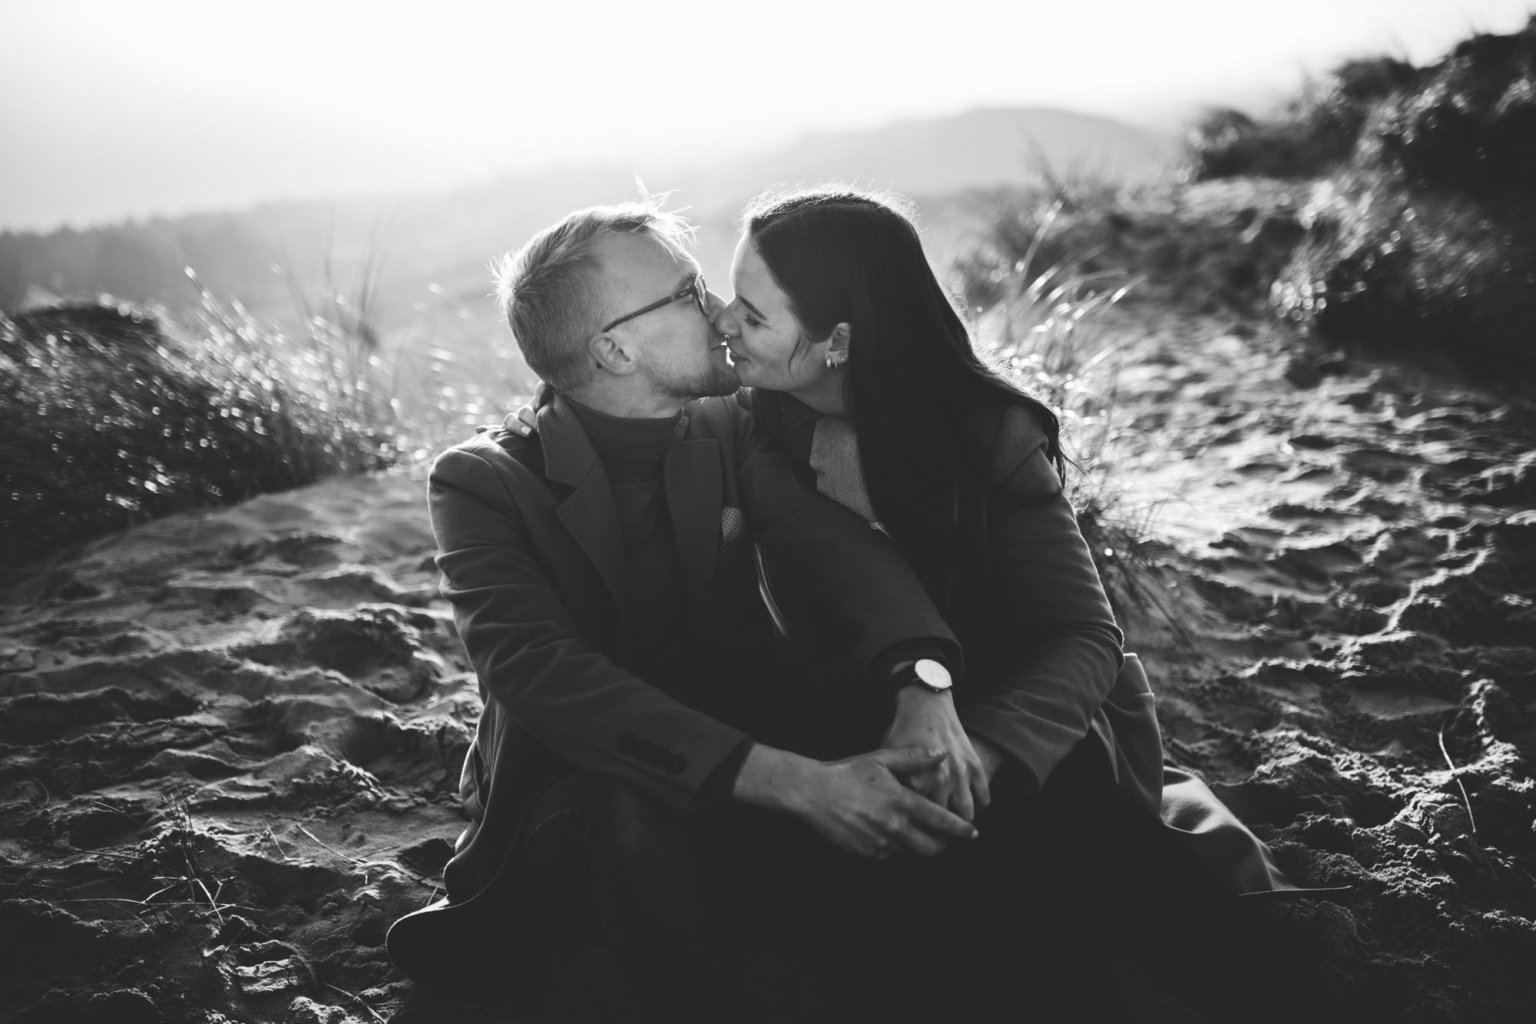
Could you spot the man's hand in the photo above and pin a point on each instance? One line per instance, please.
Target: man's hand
(858, 804)
(927, 720)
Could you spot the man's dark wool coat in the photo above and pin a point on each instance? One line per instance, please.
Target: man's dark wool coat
(533, 561)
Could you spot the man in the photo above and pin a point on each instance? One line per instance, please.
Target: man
(603, 581)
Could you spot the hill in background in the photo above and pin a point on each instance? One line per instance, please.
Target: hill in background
(263, 256)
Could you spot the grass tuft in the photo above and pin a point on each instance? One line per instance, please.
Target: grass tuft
(1044, 327)
(110, 416)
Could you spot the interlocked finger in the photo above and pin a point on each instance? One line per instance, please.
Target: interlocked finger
(981, 789)
(938, 819)
(928, 784)
(887, 840)
(961, 800)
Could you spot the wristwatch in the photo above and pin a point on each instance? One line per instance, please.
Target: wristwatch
(927, 673)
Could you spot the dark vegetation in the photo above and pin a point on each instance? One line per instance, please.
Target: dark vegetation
(1388, 208)
(1311, 135)
(110, 416)
(1420, 237)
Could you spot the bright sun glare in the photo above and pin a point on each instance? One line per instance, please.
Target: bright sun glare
(113, 109)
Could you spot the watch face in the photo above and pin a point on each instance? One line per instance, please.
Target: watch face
(932, 674)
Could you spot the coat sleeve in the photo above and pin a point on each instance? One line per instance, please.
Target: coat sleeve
(532, 660)
(1066, 647)
(863, 589)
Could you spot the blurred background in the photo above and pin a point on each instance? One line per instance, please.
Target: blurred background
(288, 209)
(291, 153)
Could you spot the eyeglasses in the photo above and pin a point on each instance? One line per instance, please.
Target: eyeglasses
(696, 288)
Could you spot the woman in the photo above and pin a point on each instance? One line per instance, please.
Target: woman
(861, 368)
(842, 331)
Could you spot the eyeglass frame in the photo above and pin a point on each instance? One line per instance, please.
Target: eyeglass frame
(696, 287)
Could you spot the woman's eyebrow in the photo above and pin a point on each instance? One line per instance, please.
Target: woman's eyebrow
(751, 308)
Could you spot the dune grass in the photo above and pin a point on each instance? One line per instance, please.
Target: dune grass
(1043, 325)
(1041, 309)
(111, 415)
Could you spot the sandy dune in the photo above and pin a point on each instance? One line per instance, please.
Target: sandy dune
(1341, 622)
(231, 739)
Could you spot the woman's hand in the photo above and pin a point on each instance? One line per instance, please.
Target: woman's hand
(527, 417)
(528, 413)
(992, 756)
(927, 720)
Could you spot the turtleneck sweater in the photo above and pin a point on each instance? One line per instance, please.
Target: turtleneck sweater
(631, 452)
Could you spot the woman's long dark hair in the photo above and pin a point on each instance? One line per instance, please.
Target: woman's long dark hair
(914, 382)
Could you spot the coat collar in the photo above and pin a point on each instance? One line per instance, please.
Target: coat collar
(568, 453)
(588, 512)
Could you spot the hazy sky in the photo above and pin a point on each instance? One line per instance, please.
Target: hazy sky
(123, 108)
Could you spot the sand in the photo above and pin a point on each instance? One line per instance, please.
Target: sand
(1340, 622)
(230, 740)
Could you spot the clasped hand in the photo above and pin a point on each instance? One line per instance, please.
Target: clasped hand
(959, 780)
(862, 805)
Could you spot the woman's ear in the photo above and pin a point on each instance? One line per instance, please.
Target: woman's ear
(611, 354)
(838, 342)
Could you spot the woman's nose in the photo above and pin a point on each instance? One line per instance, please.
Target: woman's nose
(722, 320)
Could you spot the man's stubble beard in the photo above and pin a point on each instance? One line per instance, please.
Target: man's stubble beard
(718, 380)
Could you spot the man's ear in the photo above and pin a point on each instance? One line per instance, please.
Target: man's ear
(838, 342)
(612, 354)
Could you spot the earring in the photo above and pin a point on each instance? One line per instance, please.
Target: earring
(835, 360)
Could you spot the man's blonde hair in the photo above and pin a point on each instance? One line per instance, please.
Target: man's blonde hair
(549, 290)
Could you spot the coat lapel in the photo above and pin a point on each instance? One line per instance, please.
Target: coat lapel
(691, 478)
(589, 512)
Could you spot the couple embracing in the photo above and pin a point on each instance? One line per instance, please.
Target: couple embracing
(803, 699)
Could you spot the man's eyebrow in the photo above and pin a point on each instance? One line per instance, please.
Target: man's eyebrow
(750, 308)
